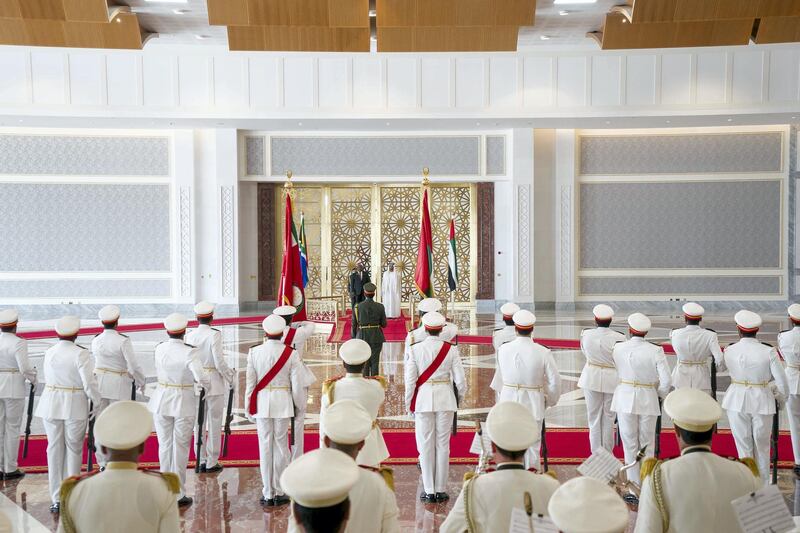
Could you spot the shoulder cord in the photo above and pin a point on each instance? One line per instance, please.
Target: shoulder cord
(658, 492)
(468, 506)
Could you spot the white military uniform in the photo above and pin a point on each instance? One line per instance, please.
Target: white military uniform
(789, 345)
(370, 394)
(15, 368)
(527, 373)
(275, 407)
(750, 399)
(303, 331)
(588, 504)
(502, 336)
(435, 405)
(643, 377)
(449, 332)
(64, 407)
(694, 346)
(174, 404)
(599, 381)
(208, 341)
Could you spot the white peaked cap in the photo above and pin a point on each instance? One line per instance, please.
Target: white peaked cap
(509, 309)
(204, 308)
(355, 351)
(747, 321)
(524, 319)
(692, 409)
(693, 310)
(346, 422)
(511, 426)
(175, 323)
(587, 505)
(285, 310)
(273, 325)
(68, 326)
(123, 425)
(429, 305)
(8, 317)
(603, 312)
(320, 478)
(639, 322)
(794, 311)
(433, 320)
(109, 313)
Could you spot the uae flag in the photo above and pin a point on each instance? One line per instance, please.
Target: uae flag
(452, 267)
(423, 275)
(291, 289)
(303, 250)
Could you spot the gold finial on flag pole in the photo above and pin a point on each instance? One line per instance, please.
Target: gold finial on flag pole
(425, 180)
(288, 187)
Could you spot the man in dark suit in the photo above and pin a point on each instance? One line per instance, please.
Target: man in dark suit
(370, 316)
(355, 287)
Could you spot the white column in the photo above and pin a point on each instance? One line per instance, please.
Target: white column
(183, 226)
(566, 219)
(522, 184)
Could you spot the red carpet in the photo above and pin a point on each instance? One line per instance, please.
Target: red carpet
(566, 446)
(395, 330)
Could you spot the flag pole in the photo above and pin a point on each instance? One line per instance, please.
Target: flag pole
(288, 188)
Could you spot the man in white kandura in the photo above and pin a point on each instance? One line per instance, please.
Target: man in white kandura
(487, 501)
(527, 373)
(695, 347)
(369, 392)
(435, 382)
(15, 369)
(789, 346)
(296, 334)
(429, 305)
(174, 403)
(274, 388)
(758, 386)
(374, 506)
(693, 493)
(118, 372)
(69, 386)
(508, 332)
(587, 505)
(390, 291)
(599, 377)
(208, 342)
(643, 379)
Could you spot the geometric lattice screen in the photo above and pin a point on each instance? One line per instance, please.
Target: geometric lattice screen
(350, 233)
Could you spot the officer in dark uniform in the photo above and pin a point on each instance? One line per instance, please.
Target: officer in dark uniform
(359, 277)
(370, 317)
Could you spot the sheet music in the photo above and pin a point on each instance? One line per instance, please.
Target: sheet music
(543, 524)
(763, 511)
(475, 448)
(520, 521)
(601, 465)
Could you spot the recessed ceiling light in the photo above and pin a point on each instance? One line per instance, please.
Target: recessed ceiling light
(608, 122)
(668, 121)
(563, 12)
(563, 2)
(794, 118)
(180, 11)
(477, 123)
(373, 38)
(201, 37)
(544, 37)
(299, 123)
(372, 13)
(167, 1)
(119, 20)
(730, 120)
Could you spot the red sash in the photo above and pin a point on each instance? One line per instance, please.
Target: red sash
(268, 377)
(289, 339)
(426, 375)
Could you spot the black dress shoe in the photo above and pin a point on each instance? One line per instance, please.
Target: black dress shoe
(55, 508)
(442, 496)
(266, 502)
(203, 468)
(16, 474)
(427, 498)
(281, 500)
(185, 501)
(214, 469)
(631, 499)
(796, 470)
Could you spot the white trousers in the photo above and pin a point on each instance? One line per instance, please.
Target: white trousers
(273, 453)
(212, 430)
(174, 437)
(11, 411)
(432, 431)
(533, 454)
(299, 431)
(751, 434)
(637, 431)
(104, 403)
(793, 410)
(601, 419)
(64, 451)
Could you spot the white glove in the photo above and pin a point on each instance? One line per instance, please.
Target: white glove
(779, 397)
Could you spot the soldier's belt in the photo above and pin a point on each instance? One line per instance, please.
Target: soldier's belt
(276, 387)
(368, 327)
(750, 383)
(790, 365)
(175, 385)
(66, 389)
(526, 387)
(639, 384)
(439, 381)
(109, 371)
(600, 365)
(692, 363)
(209, 368)
(9, 370)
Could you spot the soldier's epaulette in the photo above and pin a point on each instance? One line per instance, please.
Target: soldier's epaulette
(379, 379)
(328, 386)
(190, 345)
(552, 474)
(415, 343)
(654, 344)
(506, 342)
(259, 344)
(385, 472)
(215, 329)
(170, 478)
(648, 465)
(81, 346)
(786, 330)
(711, 330)
(767, 344)
(749, 462)
(499, 329)
(68, 484)
(618, 331)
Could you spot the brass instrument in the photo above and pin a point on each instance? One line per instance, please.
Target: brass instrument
(483, 459)
(622, 484)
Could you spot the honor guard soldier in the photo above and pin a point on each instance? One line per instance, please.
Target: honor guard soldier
(430, 305)
(274, 388)
(15, 369)
(69, 388)
(122, 498)
(758, 382)
(599, 377)
(789, 346)
(693, 493)
(487, 501)
(174, 403)
(694, 346)
(507, 333)
(643, 379)
(587, 505)
(117, 371)
(319, 483)
(435, 383)
(208, 342)
(369, 392)
(527, 373)
(371, 318)
(295, 335)
(374, 507)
